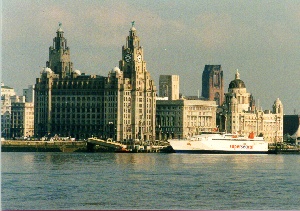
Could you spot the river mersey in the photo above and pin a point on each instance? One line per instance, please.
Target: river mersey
(98, 181)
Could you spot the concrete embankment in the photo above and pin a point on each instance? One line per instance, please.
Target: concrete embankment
(92, 145)
(284, 151)
(43, 146)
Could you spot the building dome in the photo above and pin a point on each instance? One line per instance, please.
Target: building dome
(47, 70)
(277, 106)
(277, 102)
(237, 82)
(116, 69)
(77, 72)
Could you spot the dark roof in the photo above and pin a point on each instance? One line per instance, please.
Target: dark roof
(6, 87)
(237, 83)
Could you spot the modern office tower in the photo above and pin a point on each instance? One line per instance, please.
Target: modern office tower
(183, 118)
(70, 103)
(241, 116)
(169, 86)
(213, 83)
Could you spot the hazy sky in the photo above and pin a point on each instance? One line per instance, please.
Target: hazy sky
(259, 38)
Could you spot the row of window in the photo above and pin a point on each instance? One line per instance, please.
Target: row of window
(76, 93)
(78, 116)
(76, 110)
(192, 108)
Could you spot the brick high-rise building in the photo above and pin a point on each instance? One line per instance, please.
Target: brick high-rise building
(213, 83)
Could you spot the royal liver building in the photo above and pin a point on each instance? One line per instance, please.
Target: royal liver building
(131, 94)
(69, 103)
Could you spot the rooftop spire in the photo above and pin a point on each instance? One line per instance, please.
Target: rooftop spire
(132, 26)
(237, 75)
(59, 29)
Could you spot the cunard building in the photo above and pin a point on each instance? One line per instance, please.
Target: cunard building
(69, 103)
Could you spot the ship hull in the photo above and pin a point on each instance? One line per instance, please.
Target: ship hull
(220, 144)
(219, 152)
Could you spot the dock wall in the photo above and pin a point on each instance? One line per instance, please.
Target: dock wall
(43, 146)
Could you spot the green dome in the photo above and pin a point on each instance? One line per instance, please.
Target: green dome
(237, 83)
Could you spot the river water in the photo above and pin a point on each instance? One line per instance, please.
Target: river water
(98, 181)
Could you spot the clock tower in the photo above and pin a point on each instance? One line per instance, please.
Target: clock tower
(139, 92)
(132, 55)
(59, 55)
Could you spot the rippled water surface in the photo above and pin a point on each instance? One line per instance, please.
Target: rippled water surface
(149, 181)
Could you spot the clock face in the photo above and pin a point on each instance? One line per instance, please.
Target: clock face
(128, 58)
(139, 58)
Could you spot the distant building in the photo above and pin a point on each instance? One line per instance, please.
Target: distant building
(213, 83)
(120, 106)
(6, 93)
(169, 86)
(29, 93)
(184, 118)
(241, 116)
(22, 117)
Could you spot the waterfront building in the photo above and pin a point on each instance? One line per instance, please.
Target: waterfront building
(183, 118)
(120, 106)
(137, 102)
(240, 115)
(22, 117)
(6, 93)
(70, 106)
(169, 86)
(213, 83)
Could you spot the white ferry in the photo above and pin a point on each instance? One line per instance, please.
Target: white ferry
(220, 143)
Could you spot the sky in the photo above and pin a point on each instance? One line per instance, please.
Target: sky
(260, 38)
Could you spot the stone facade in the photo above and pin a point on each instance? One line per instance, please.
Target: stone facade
(71, 106)
(22, 118)
(120, 106)
(137, 102)
(6, 94)
(183, 118)
(240, 115)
